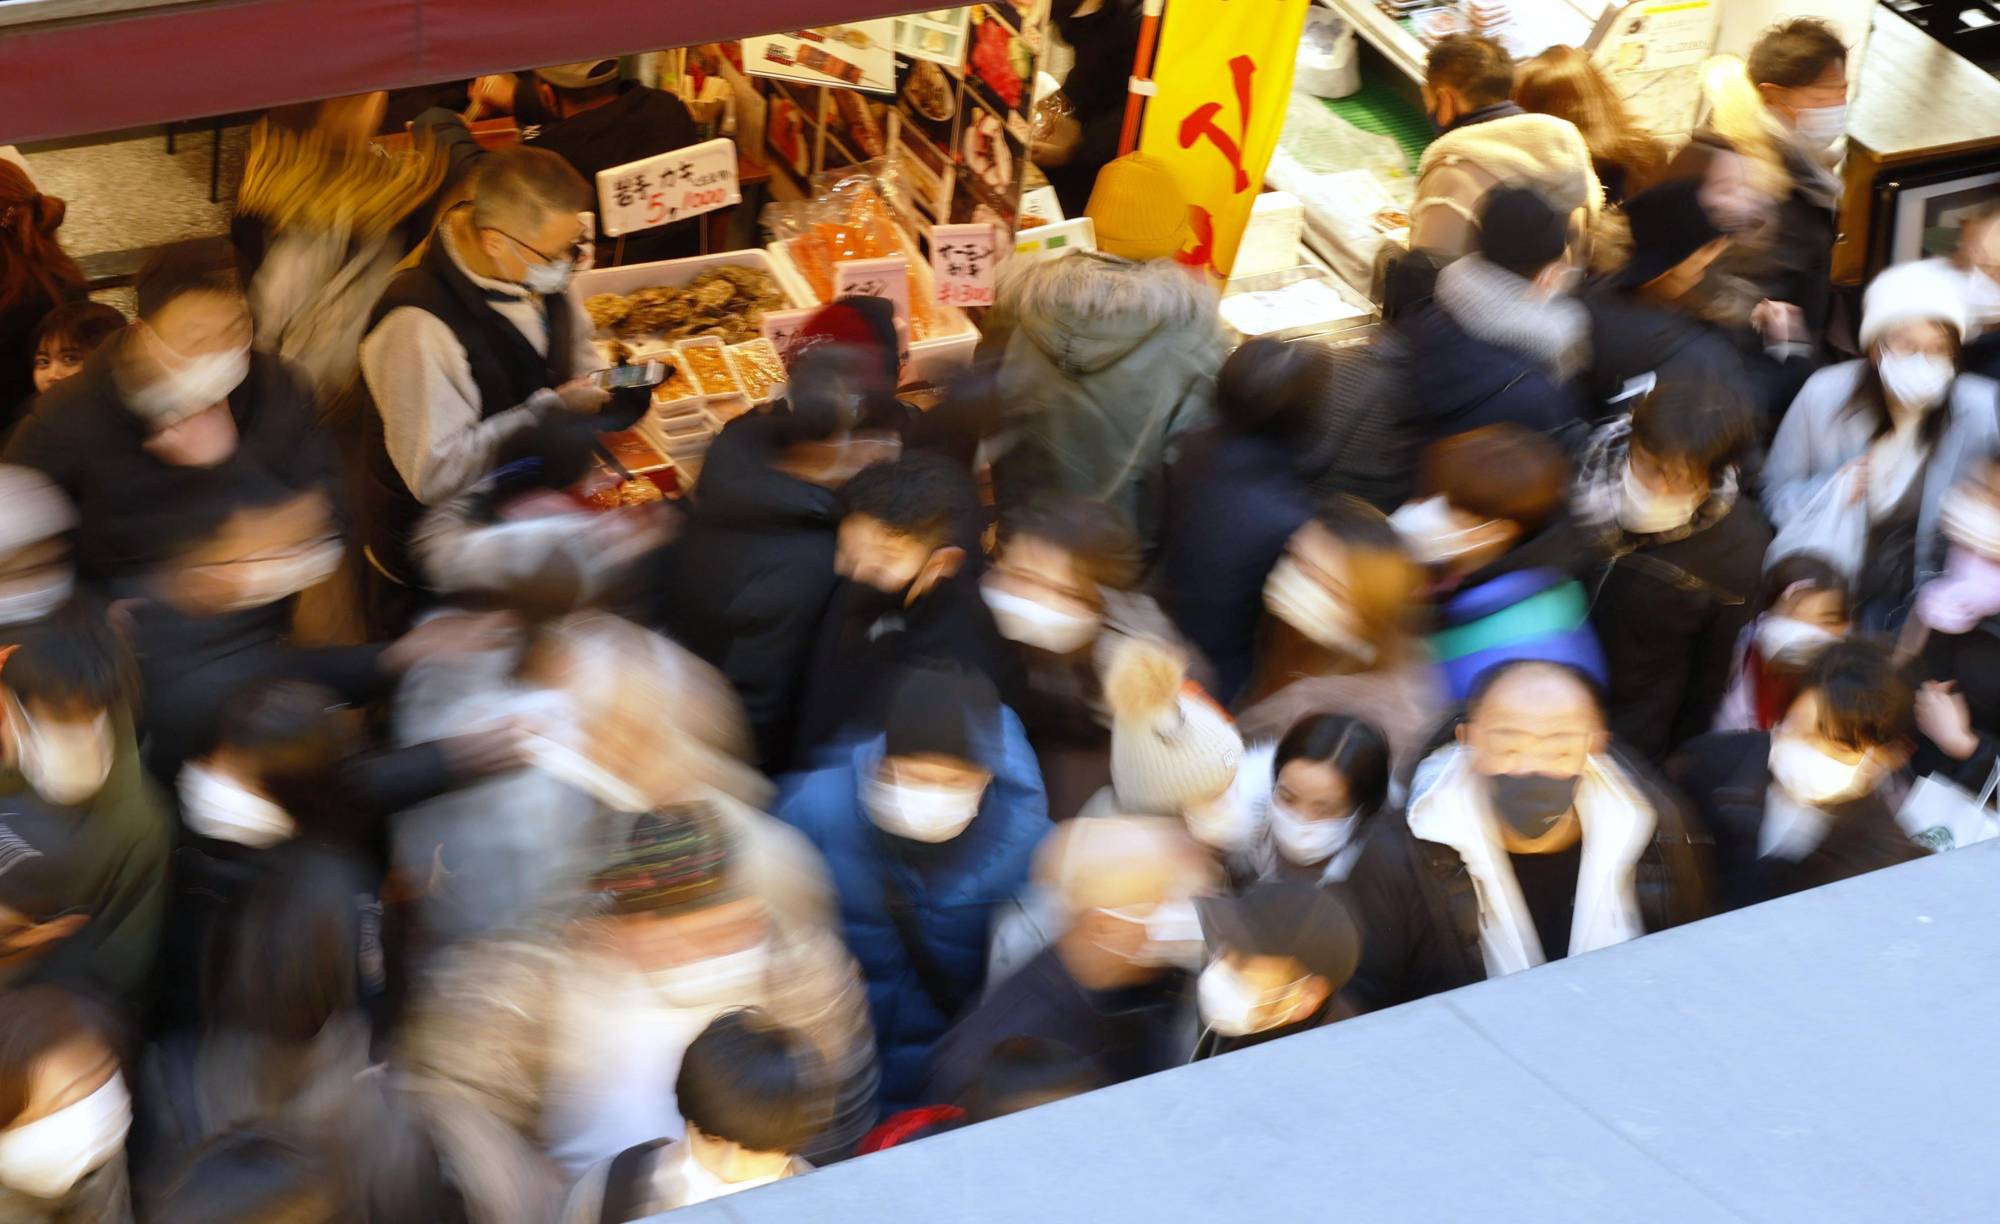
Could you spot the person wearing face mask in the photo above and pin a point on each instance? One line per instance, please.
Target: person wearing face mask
(1813, 800)
(1329, 783)
(1486, 141)
(36, 577)
(64, 1111)
(463, 352)
(1799, 71)
(1340, 634)
(66, 739)
(908, 553)
(1107, 968)
(1280, 955)
(173, 412)
(1061, 589)
(747, 583)
(567, 1039)
(1803, 610)
(1505, 556)
(1529, 837)
(1900, 426)
(927, 829)
(1657, 495)
(1977, 258)
(1504, 339)
(1958, 617)
(751, 1098)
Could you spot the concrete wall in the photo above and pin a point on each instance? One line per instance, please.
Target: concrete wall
(1830, 1057)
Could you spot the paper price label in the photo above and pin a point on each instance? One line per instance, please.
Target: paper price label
(781, 328)
(888, 277)
(667, 187)
(964, 259)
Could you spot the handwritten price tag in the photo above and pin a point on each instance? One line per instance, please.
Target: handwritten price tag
(667, 187)
(963, 257)
(888, 277)
(781, 328)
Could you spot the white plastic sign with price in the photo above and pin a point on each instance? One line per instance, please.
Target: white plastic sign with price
(781, 328)
(667, 187)
(964, 259)
(888, 277)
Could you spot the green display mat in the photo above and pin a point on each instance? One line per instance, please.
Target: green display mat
(1378, 109)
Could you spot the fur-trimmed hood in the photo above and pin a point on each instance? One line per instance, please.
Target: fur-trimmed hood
(1086, 312)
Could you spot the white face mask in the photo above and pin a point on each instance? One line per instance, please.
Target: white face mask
(1812, 777)
(1431, 534)
(1790, 643)
(1915, 379)
(1229, 1005)
(920, 813)
(1643, 511)
(215, 806)
(1308, 843)
(1036, 624)
(47, 1157)
(1295, 598)
(1820, 126)
(1982, 297)
(65, 764)
(549, 278)
(1173, 936)
(733, 977)
(34, 597)
(197, 384)
(1224, 823)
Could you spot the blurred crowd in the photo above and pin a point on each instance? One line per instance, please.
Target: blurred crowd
(388, 833)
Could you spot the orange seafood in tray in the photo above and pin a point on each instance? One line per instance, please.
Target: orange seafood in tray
(711, 369)
(865, 228)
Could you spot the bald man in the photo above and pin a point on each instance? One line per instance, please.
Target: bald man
(1112, 983)
(1529, 838)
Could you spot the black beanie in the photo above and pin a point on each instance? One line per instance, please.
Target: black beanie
(949, 711)
(1518, 231)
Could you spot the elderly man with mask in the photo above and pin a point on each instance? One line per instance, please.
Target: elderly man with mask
(928, 828)
(566, 1041)
(1113, 984)
(1528, 839)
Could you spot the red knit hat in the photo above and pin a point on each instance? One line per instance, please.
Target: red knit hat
(867, 322)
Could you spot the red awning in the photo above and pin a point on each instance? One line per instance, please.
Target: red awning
(191, 61)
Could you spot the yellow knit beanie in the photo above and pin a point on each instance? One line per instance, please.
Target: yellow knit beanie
(1138, 209)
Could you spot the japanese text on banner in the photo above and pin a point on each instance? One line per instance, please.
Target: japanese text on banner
(668, 187)
(964, 259)
(1222, 77)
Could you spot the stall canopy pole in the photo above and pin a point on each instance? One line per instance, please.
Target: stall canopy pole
(1142, 75)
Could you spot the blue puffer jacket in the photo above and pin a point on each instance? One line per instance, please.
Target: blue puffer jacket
(952, 887)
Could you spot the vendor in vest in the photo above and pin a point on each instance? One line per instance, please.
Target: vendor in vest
(464, 352)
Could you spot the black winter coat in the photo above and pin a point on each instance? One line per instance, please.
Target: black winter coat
(1419, 909)
(1668, 617)
(1459, 383)
(751, 576)
(1727, 775)
(1971, 660)
(1631, 336)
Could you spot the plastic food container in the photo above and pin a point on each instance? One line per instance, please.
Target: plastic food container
(676, 273)
(710, 367)
(722, 409)
(761, 369)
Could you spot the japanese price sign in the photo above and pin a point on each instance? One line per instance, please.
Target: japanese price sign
(667, 187)
(888, 277)
(963, 257)
(781, 328)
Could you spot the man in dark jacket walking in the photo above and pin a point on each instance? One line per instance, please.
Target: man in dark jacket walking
(1529, 839)
(1804, 804)
(926, 828)
(1657, 494)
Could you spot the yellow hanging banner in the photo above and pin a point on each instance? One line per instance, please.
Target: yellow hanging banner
(1221, 81)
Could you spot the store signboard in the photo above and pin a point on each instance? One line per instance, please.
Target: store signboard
(667, 187)
(888, 277)
(1222, 79)
(937, 36)
(964, 259)
(859, 55)
(1652, 53)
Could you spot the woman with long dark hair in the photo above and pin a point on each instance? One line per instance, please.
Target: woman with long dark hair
(36, 276)
(1900, 426)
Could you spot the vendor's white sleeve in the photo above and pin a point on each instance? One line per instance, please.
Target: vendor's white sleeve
(422, 384)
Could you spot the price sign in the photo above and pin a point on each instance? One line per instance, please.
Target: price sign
(888, 277)
(667, 187)
(781, 328)
(1062, 238)
(963, 257)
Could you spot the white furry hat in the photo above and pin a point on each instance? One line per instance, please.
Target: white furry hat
(1926, 291)
(1170, 744)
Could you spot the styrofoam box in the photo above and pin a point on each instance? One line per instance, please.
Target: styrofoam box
(1271, 240)
(677, 272)
(933, 360)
